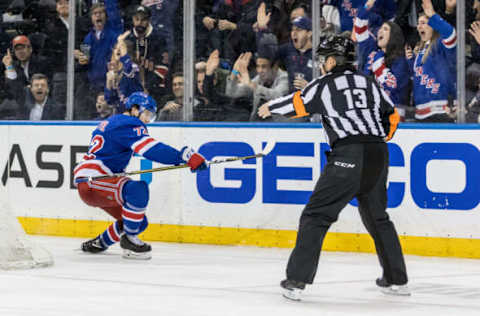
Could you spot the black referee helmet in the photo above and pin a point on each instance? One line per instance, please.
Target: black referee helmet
(340, 47)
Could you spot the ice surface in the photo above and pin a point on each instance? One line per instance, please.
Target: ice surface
(195, 280)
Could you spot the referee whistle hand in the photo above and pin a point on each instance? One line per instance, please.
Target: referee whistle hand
(264, 111)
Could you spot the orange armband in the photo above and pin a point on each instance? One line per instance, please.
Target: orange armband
(299, 106)
(394, 119)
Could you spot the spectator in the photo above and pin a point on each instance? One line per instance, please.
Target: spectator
(20, 67)
(476, 9)
(163, 13)
(173, 109)
(24, 63)
(330, 20)
(104, 110)
(150, 52)
(38, 104)
(475, 45)
(432, 65)
(299, 11)
(210, 78)
(279, 22)
(220, 74)
(297, 54)
(281, 16)
(234, 109)
(30, 13)
(206, 35)
(473, 109)
(450, 13)
(98, 44)
(56, 46)
(408, 12)
(383, 58)
(230, 24)
(123, 77)
(269, 83)
(384, 10)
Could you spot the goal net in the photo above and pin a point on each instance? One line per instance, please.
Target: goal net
(16, 250)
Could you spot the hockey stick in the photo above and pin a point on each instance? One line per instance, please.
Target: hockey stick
(268, 148)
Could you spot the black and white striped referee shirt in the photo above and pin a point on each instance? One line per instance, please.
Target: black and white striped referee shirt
(350, 104)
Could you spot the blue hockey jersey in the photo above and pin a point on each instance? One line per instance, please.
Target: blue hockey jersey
(393, 79)
(113, 144)
(383, 10)
(129, 84)
(435, 80)
(101, 47)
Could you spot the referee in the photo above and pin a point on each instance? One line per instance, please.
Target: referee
(357, 117)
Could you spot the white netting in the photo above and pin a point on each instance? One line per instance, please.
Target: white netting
(16, 251)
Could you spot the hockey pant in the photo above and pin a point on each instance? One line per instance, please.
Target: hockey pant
(122, 198)
(354, 170)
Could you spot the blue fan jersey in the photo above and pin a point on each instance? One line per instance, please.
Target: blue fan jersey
(114, 142)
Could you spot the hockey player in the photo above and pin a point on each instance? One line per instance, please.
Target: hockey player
(113, 143)
(358, 116)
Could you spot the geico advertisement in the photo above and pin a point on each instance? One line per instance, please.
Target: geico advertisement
(434, 183)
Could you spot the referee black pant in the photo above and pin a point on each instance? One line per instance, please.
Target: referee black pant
(353, 170)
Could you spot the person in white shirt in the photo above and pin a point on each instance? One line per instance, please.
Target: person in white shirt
(39, 90)
(269, 83)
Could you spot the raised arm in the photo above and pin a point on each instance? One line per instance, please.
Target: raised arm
(447, 31)
(366, 43)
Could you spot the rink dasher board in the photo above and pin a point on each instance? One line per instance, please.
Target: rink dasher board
(434, 188)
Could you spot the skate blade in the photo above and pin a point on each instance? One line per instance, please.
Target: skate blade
(396, 290)
(87, 253)
(294, 295)
(128, 254)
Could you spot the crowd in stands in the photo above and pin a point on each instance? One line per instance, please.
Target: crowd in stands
(247, 53)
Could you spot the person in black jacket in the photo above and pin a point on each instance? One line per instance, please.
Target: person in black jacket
(150, 52)
(358, 117)
(19, 67)
(226, 108)
(38, 103)
(230, 26)
(56, 47)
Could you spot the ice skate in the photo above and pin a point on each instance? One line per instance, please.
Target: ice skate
(292, 289)
(94, 245)
(134, 248)
(392, 289)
